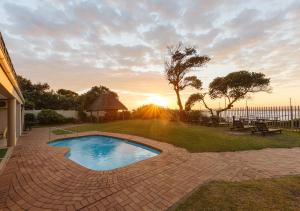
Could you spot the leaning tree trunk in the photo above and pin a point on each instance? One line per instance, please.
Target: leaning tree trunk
(181, 111)
(179, 100)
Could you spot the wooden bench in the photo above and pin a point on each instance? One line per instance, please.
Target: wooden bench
(261, 127)
(239, 125)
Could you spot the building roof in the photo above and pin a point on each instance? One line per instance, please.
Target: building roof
(106, 102)
(9, 72)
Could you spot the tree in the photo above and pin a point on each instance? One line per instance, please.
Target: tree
(89, 97)
(68, 99)
(67, 93)
(34, 94)
(180, 62)
(40, 96)
(234, 87)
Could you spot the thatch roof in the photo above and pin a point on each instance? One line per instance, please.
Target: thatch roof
(106, 102)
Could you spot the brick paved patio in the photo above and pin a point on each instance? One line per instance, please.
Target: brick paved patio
(39, 177)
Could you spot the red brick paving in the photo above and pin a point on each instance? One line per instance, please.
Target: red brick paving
(39, 177)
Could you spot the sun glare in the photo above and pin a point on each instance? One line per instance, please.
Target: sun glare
(157, 100)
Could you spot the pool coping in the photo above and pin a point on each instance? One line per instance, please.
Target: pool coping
(38, 176)
(128, 140)
(163, 148)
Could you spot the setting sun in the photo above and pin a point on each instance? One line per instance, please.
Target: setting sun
(157, 100)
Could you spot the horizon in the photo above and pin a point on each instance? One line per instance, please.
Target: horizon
(76, 45)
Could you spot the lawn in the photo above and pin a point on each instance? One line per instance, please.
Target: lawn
(195, 138)
(267, 194)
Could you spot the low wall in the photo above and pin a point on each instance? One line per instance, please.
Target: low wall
(65, 113)
(96, 113)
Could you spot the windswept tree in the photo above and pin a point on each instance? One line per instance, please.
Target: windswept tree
(233, 87)
(181, 60)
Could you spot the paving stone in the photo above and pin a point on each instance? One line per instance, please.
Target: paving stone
(39, 177)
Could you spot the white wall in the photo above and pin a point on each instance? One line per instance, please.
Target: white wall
(65, 113)
(69, 113)
(96, 113)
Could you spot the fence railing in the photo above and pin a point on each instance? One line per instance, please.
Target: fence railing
(281, 116)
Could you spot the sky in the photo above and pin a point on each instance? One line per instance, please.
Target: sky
(123, 44)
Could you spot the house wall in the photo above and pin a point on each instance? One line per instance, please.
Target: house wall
(11, 116)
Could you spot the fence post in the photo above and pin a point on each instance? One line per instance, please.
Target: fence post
(291, 110)
(247, 112)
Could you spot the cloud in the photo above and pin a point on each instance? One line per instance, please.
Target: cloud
(122, 44)
(161, 36)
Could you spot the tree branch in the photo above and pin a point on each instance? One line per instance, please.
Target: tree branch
(206, 106)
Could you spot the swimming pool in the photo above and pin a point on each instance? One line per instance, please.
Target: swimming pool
(103, 152)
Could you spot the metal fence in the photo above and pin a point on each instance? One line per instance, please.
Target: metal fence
(281, 116)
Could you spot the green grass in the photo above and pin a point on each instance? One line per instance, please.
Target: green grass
(194, 138)
(268, 194)
(3, 152)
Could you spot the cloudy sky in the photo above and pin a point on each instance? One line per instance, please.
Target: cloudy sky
(122, 44)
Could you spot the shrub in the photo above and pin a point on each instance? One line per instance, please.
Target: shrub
(194, 116)
(48, 116)
(152, 112)
(29, 121)
(70, 120)
(83, 116)
(124, 115)
(111, 115)
(93, 119)
(29, 117)
(174, 115)
(205, 120)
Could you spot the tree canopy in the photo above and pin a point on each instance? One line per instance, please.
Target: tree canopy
(88, 98)
(233, 87)
(40, 96)
(181, 61)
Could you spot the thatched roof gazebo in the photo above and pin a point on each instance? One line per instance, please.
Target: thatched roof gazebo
(105, 103)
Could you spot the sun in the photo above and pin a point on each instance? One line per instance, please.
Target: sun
(157, 100)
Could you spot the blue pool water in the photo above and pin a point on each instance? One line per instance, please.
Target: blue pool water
(103, 152)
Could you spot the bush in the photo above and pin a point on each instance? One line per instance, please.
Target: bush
(70, 120)
(29, 118)
(152, 112)
(194, 116)
(48, 116)
(93, 119)
(124, 115)
(83, 116)
(29, 121)
(110, 115)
